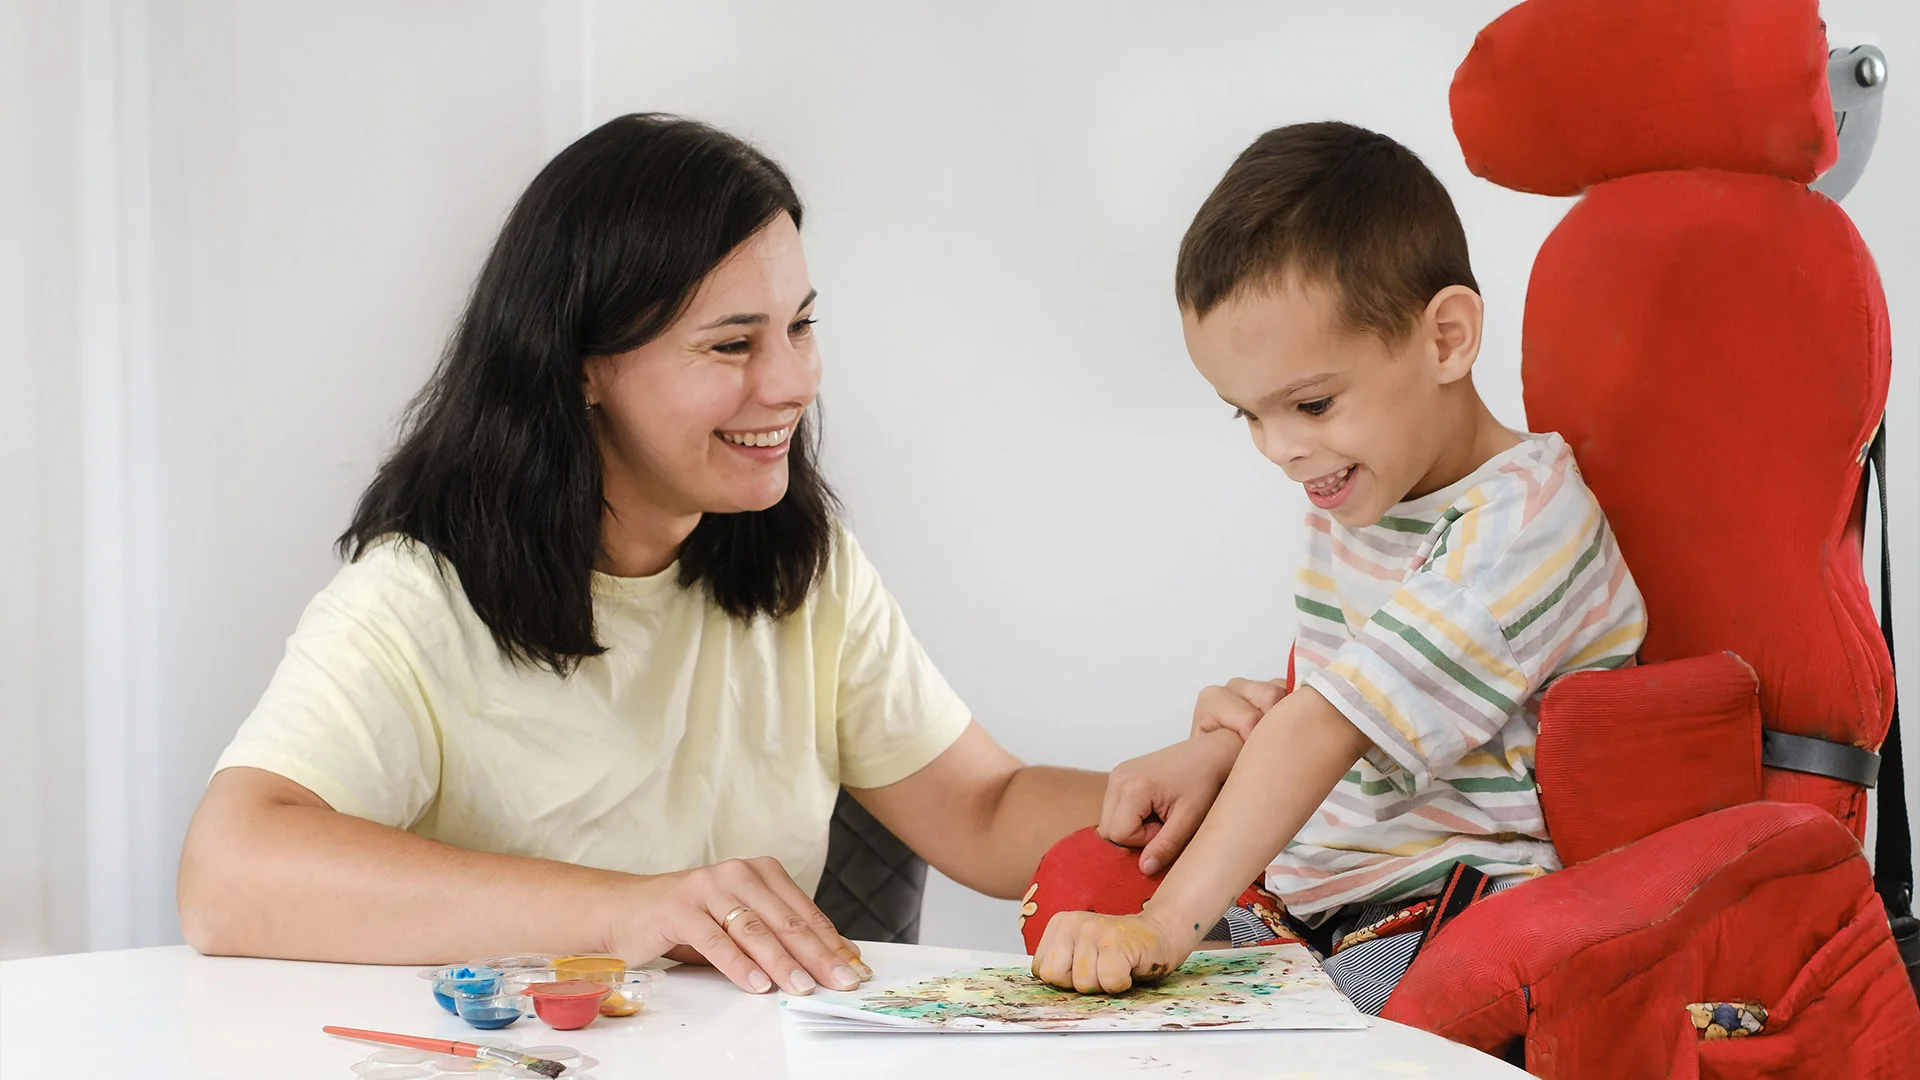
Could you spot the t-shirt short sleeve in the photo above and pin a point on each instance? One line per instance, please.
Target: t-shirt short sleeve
(895, 712)
(346, 714)
(1477, 631)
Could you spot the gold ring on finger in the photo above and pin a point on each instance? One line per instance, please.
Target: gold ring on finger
(727, 923)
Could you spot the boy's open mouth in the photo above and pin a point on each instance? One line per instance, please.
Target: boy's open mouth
(1329, 491)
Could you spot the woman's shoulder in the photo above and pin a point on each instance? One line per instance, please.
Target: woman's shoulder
(396, 581)
(848, 574)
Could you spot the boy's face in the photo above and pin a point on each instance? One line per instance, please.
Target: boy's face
(1358, 422)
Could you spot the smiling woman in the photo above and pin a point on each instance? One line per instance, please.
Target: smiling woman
(602, 657)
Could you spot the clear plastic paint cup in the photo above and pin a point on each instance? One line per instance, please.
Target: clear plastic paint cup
(629, 993)
(466, 978)
(490, 1011)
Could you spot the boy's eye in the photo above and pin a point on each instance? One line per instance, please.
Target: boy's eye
(1316, 407)
(1242, 414)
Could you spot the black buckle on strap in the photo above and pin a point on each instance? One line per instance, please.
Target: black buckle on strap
(1802, 753)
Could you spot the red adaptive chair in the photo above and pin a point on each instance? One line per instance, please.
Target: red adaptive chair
(1711, 339)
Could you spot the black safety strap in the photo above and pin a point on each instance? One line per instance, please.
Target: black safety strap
(1821, 757)
(1893, 841)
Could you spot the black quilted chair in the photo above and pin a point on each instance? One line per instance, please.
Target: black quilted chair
(873, 883)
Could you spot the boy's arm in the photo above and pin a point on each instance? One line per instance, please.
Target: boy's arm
(1293, 759)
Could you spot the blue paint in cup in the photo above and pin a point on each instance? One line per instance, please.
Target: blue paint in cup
(461, 979)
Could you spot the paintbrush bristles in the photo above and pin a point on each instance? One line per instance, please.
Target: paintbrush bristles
(546, 1068)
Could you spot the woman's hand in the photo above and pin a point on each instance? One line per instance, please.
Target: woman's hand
(1107, 953)
(1237, 706)
(745, 917)
(1157, 801)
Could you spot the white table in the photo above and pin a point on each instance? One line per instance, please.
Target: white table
(167, 1013)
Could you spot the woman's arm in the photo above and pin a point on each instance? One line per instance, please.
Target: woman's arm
(269, 869)
(981, 817)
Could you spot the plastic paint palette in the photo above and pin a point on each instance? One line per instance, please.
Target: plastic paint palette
(397, 1064)
(499, 991)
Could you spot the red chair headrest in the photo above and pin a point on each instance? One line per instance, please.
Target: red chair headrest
(1559, 95)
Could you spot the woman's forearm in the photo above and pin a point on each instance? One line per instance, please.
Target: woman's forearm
(1292, 759)
(1040, 805)
(270, 870)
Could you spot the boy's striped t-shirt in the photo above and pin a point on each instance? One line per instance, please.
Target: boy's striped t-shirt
(1435, 631)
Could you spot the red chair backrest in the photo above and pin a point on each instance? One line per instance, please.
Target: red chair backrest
(1708, 335)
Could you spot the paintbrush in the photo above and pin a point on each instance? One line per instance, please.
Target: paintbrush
(457, 1049)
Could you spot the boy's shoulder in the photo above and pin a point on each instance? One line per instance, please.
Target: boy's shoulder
(1529, 506)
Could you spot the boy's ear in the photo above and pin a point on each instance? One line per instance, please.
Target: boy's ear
(1452, 324)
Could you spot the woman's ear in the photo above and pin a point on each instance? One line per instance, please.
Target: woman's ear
(593, 379)
(1452, 320)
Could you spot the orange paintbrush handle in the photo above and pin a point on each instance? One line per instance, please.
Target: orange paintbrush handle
(412, 1042)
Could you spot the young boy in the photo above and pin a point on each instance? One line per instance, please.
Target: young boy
(1454, 569)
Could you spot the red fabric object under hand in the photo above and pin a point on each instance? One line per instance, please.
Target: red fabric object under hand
(1559, 95)
(1084, 873)
(1714, 348)
(1594, 965)
(1626, 753)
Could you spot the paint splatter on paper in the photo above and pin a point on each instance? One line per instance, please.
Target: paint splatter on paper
(1276, 987)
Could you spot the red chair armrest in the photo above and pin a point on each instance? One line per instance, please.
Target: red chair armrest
(1573, 938)
(1626, 753)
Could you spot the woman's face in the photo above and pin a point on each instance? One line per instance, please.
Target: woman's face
(700, 419)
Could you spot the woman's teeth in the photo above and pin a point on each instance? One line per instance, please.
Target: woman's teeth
(1330, 483)
(762, 438)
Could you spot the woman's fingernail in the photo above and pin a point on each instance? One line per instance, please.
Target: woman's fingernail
(803, 983)
(846, 977)
(759, 982)
(865, 971)
(1149, 866)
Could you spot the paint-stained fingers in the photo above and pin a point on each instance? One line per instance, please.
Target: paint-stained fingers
(1113, 968)
(802, 905)
(1053, 960)
(1087, 957)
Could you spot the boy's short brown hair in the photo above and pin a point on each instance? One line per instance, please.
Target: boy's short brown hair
(1338, 204)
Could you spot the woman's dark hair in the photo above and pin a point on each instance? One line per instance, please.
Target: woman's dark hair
(497, 471)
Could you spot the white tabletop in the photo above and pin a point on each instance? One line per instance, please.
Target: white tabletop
(165, 1013)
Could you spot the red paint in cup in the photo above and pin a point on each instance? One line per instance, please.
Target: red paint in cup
(569, 1004)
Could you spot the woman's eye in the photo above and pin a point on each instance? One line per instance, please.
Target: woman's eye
(1316, 408)
(1242, 414)
(733, 348)
(802, 327)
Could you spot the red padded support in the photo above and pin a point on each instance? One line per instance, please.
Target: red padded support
(1714, 348)
(1559, 95)
(1626, 753)
(1593, 965)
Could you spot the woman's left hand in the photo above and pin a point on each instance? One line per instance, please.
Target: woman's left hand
(1107, 953)
(1156, 802)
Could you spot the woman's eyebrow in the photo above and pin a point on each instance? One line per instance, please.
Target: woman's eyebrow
(755, 319)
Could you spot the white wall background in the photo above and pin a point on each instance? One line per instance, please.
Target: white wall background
(236, 234)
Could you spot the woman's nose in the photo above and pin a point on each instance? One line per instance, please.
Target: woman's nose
(788, 373)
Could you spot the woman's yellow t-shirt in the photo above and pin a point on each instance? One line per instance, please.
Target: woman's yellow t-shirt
(694, 738)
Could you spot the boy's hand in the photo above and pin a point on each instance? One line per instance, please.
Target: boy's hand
(1106, 953)
(1237, 706)
(1158, 801)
